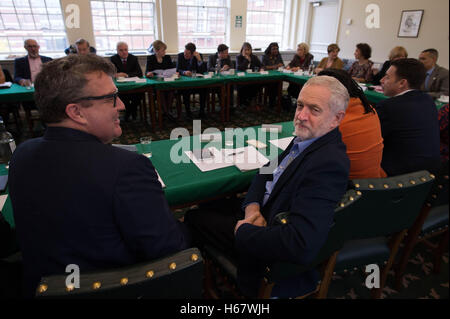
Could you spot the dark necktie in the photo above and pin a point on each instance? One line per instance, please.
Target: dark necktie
(124, 63)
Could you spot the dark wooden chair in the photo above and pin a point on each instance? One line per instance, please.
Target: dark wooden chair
(179, 275)
(431, 222)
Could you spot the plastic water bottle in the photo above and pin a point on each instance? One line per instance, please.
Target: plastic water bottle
(7, 144)
(217, 69)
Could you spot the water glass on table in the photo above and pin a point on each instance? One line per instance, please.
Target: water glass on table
(146, 146)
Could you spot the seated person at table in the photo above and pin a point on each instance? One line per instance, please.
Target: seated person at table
(191, 61)
(409, 121)
(436, 81)
(223, 57)
(443, 126)
(361, 70)
(76, 199)
(332, 61)
(272, 60)
(127, 65)
(310, 179)
(396, 53)
(301, 61)
(27, 68)
(247, 60)
(83, 47)
(360, 129)
(158, 60)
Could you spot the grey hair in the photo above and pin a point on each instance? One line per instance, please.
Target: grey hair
(339, 97)
(82, 41)
(121, 43)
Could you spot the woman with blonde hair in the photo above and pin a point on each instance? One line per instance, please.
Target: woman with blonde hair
(395, 54)
(301, 61)
(332, 61)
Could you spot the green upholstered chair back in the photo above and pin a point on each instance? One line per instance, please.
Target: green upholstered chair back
(179, 275)
(389, 205)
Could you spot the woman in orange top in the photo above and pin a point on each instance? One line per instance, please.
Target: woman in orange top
(361, 130)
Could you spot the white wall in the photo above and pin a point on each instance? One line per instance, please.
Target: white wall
(433, 33)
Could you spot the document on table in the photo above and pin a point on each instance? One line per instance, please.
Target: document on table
(247, 158)
(282, 143)
(165, 73)
(2, 201)
(5, 85)
(132, 79)
(216, 161)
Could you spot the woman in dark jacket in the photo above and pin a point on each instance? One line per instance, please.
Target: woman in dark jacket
(396, 53)
(301, 61)
(247, 60)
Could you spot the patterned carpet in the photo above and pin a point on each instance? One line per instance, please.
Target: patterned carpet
(419, 281)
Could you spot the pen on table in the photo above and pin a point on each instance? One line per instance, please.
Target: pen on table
(235, 153)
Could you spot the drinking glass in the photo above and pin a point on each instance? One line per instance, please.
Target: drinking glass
(146, 145)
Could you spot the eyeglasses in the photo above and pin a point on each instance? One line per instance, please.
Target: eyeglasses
(102, 97)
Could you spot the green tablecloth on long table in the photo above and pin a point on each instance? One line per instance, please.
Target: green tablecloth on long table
(18, 93)
(185, 183)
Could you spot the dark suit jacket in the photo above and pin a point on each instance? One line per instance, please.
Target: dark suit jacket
(190, 65)
(212, 60)
(22, 67)
(132, 67)
(309, 189)
(377, 77)
(243, 64)
(78, 201)
(410, 130)
(438, 83)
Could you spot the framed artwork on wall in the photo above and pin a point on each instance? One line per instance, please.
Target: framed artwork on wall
(410, 23)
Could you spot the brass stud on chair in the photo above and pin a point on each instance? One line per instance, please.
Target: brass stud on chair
(283, 221)
(96, 285)
(440, 186)
(70, 288)
(42, 288)
(433, 177)
(172, 266)
(446, 177)
(386, 186)
(351, 198)
(371, 186)
(428, 204)
(149, 274)
(400, 185)
(357, 185)
(342, 204)
(413, 182)
(423, 179)
(434, 196)
(358, 193)
(194, 257)
(123, 281)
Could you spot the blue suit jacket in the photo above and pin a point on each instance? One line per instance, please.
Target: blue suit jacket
(410, 129)
(309, 189)
(22, 67)
(190, 65)
(78, 201)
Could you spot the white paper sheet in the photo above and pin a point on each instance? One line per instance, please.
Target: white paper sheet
(219, 160)
(248, 158)
(6, 85)
(282, 143)
(165, 73)
(2, 201)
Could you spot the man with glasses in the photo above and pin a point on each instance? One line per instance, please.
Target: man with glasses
(27, 67)
(76, 199)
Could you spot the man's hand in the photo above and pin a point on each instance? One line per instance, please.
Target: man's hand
(149, 74)
(121, 75)
(256, 219)
(226, 67)
(187, 73)
(197, 56)
(25, 82)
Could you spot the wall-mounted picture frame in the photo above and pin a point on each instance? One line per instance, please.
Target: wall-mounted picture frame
(410, 23)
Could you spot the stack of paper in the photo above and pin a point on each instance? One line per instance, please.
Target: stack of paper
(248, 158)
(282, 143)
(5, 85)
(216, 161)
